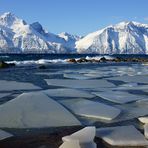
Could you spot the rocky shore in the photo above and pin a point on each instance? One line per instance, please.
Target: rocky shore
(103, 59)
(6, 65)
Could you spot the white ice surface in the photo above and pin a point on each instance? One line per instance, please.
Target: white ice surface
(67, 92)
(84, 135)
(135, 79)
(122, 136)
(13, 85)
(119, 96)
(79, 76)
(133, 110)
(79, 83)
(35, 110)
(4, 135)
(143, 119)
(91, 109)
(146, 131)
(70, 144)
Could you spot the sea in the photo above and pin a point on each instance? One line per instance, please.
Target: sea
(28, 69)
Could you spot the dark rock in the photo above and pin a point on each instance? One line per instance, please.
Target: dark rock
(6, 65)
(82, 60)
(71, 61)
(103, 59)
(42, 67)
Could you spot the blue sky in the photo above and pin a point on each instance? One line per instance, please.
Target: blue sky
(77, 16)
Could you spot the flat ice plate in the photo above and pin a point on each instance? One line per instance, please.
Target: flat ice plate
(91, 109)
(79, 76)
(13, 85)
(135, 79)
(79, 83)
(35, 110)
(122, 136)
(4, 135)
(4, 95)
(133, 110)
(67, 92)
(119, 96)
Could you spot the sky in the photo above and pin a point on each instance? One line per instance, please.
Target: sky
(77, 16)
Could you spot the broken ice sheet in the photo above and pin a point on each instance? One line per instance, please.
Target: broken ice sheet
(122, 136)
(67, 92)
(13, 85)
(79, 83)
(35, 110)
(4, 94)
(91, 109)
(119, 96)
(132, 110)
(135, 79)
(4, 135)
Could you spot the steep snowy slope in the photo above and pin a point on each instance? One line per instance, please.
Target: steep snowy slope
(17, 36)
(123, 38)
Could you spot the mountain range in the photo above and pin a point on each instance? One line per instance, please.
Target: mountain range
(17, 36)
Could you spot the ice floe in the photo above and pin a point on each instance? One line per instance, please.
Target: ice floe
(67, 92)
(135, 79)
(79, 83)
(71, 144)
(79, 76)
(146, 131)
(4, 95)
(119, 96)
(91, 109)
(84, 137)
(35, 110)
(13, 85)
(122, 136)
(133, 110)
(4, 135)
(143, 119)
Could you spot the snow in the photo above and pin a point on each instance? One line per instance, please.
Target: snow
(35, 110)
(17, 36)
(66, 92)
(85, 137)
(4, 135)
(32, 38)
(122, 136)
(125, 37)
(13, 85)
(119, 96)
(79, 83)
(91, 109)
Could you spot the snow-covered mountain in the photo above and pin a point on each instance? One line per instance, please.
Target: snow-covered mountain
(18, 36)
(123, 38)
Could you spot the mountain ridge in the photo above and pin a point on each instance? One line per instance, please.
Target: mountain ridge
(17, 36)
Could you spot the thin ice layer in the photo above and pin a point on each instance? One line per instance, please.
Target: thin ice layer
(67, 92)
(35, 110)
(79, 83)
(122, 136)
(91, 109)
